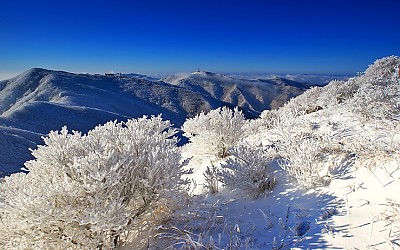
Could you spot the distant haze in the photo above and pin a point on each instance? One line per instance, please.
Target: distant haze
(316, 79)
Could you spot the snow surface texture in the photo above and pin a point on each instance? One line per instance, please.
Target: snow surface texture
(39, 100)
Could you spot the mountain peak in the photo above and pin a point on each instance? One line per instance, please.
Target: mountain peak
(34, 71)
(208, 73)
(200, 72)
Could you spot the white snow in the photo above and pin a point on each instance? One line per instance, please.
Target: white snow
(349, 213)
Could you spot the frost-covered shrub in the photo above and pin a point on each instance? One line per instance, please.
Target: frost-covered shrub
(318, 98)
(303, 161)
(383, 69)
(337, 92)
(84, 191)
(378, 95)
(215, 132)
(211, 178)
(308, 102)
(308, 155)
(372, 150)
(304, 103)
(302, 151)
(373, 94)
(248, 170)
(270, 118)
(377, 101)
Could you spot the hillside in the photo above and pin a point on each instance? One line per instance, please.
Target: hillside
(255, 95)
(333, 153)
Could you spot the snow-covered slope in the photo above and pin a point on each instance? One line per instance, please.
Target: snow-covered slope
(357, 209)
(335, 158)
(256, 95)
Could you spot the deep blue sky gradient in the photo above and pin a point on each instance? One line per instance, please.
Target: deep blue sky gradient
(280, 36)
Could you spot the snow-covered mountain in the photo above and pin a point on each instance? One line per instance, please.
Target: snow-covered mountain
(41, 100)
(255, 95)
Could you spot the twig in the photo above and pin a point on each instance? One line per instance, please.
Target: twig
(347, 210)
(371, 229)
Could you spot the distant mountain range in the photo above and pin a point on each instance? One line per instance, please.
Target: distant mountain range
(310, 79)
(40, 100)
(253, 95)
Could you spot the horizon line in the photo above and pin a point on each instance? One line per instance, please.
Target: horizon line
(10, 75)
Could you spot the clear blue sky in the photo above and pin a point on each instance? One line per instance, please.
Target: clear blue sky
(150, 36)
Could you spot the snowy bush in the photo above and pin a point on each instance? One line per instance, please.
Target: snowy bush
(303, 104)
(211, 178)
(337, 92)
(373, 94)
(377, 101)
(372, 150)
(84, 191)
(383, 69)
(318, 98)
(378, 94)
(248, 170)
(215, 132)
(303, 161)
(302, 151)
(268, 119)
(271, 119)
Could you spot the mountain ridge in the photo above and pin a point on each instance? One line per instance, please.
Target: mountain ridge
(254, 94)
